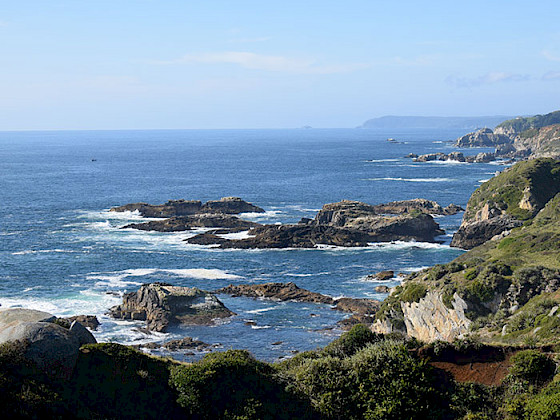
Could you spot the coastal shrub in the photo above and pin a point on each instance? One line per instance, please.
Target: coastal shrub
(233, 383)
(532, 366)
(471, 400)
(437, 272)
(351, 341)
(111, 378)
(545, 405)
(413, 292)
(391, 384)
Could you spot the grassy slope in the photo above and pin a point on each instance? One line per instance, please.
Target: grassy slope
(528, 123)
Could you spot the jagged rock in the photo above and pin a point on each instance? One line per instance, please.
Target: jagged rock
(169, 209)
(276, 291)
(182, 223)
(430, 157)
(411, 155)
(429, 319)
(162, 305)
(382, 289)
(476, 233)
(358, 306)
(482, 138)
(53, 347)
(416, 205)
(230, 205)
(456, 156)
(89, 321)
(226, 205)
(363, 231)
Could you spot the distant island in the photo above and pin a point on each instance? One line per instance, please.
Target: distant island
(462, 123)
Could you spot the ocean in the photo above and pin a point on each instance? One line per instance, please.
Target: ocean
(63, 252)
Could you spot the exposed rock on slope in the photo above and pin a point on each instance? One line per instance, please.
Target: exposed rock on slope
(162, 305)
(507, 200)
(53, 347)
(507, 289)
(483, 138)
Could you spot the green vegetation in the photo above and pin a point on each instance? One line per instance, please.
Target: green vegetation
(504, 192)
(519, 125)
(361, 375)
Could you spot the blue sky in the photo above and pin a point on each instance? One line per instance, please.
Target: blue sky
(253, 64)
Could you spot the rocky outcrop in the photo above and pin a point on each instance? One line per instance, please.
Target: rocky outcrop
(472, 234)
(183, 223)
(483, 157)
(416, 205)
(52, 346)
(226, 205)
(88, 321)
(361, 232)
(507, 200)
(430, 319)
(162, 305)
(382, 275)
(186, 343)
(275, 291)
(483, 138)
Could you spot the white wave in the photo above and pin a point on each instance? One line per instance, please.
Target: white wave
(236, 235)
(270, 214)
(399, 245)
(447, 162)
(482, 181)
(258, 311)
(260, 327)
(117, 278)
(382, 160)
(43, 251)
(415, 269)
(299, 275)
(412, 179)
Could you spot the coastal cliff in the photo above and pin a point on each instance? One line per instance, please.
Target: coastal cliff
(505, 289)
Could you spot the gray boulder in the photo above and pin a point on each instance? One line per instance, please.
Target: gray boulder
(51, 346)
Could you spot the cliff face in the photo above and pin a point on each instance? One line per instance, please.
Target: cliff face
(532, 137)
(507, 200)
(505, 290)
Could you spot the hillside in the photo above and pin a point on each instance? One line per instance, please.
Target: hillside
(504, 290)
(522, 137)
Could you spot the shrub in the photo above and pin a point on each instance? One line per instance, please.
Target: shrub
(413, 292)
(532, 366)
(351, 341)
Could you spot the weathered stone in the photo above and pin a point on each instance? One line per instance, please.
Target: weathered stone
(230, 205)
(161, 305)
(186, 343)
(182, 223)
(51, 346)
(89, 321)
(382, 289)
(471, 234)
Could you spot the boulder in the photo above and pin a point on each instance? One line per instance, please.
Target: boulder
(382, 289)
(474, 233)
(162, 305)
(382, 275)
(53, 347)
(186, 343)
(88, 321)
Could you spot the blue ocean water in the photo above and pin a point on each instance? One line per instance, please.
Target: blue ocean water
(62, 251)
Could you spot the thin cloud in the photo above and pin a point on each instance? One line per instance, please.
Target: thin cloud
(270, 63)
(487, 79)
(550, 55)
(551, 75)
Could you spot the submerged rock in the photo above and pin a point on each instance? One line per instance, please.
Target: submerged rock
(162, 305)
(52, 346)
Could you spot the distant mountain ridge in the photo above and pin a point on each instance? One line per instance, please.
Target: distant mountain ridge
(466, 123)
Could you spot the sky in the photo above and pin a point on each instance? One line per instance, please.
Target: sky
(147, 64)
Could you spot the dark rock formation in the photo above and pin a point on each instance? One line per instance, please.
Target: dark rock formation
(161, 305)
(382, 275)
(275, 291)
(357, 306)
(54, 347)
(182, 223)
(226, 205)
(88, 321)
(416, 205)
(483, 157)
(186, 343)
(476, 233)
(382, 289)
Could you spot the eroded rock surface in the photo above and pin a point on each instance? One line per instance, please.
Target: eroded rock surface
(276, 291)
(182, 223)
(162, 305)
